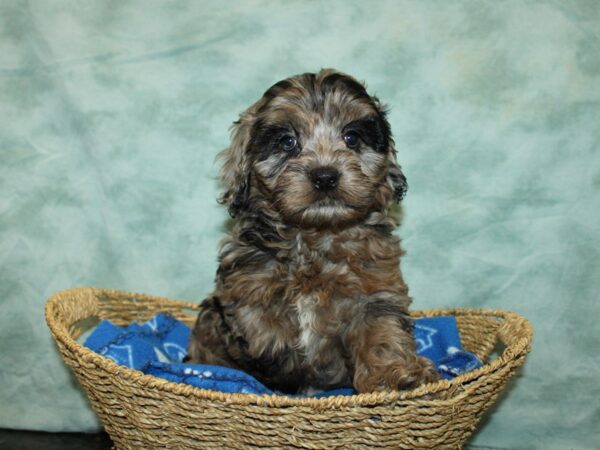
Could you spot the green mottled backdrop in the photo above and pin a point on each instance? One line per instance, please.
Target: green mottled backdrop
(111, 113)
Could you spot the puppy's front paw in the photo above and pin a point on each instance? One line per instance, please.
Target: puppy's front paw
(397, 375)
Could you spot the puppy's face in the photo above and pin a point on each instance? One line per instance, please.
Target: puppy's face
(317, 149)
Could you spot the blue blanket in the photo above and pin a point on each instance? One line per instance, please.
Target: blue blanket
(158, 346)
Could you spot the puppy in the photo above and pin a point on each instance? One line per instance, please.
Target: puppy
(309, 293)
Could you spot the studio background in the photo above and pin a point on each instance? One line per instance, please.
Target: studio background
(111, 114)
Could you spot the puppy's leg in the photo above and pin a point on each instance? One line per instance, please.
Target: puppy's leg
(383, 350)
(210, 342)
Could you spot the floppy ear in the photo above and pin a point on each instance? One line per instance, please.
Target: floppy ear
(395, 177)
(235, 173)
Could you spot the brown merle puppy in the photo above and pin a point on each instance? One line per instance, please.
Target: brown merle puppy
(309, 291)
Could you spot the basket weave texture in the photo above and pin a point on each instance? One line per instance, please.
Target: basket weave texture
(142, 412)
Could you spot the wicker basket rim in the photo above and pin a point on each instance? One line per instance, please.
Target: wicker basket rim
(519, 347)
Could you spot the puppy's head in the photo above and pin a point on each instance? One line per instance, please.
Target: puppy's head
(316, 150)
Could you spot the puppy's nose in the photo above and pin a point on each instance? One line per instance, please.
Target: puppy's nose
(324, 178)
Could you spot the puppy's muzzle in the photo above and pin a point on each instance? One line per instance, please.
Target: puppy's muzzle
(324, 179)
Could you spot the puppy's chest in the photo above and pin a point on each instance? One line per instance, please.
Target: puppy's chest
(330, 267)
(307, 322)
(319, 342)
(307, 297)
(321, 281)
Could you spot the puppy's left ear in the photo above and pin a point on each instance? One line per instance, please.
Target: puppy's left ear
(395, 177)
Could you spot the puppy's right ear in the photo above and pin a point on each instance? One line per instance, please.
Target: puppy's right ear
(235, 173)
(237, 165)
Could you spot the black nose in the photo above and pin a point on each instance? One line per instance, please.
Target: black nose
(324, 178)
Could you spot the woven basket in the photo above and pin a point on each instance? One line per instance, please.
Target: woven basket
(141, 412)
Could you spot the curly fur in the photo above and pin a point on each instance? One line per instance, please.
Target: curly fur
(309, 291)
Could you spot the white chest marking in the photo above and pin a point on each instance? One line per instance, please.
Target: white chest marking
(306, 318)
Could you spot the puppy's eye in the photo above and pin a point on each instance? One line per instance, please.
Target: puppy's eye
(289, 143)
(351, 139)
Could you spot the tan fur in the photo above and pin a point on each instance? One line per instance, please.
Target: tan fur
(309, 291)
